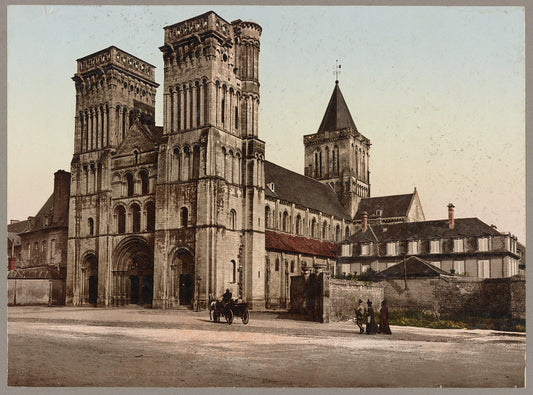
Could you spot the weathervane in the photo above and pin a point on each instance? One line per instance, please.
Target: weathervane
(337, 71)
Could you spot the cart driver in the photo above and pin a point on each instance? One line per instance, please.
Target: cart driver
(226, 298)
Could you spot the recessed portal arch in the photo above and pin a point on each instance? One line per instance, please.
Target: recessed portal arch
(133, 273)
(89, 280)
(182, 278)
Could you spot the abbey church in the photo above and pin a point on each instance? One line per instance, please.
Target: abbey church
(175, 215)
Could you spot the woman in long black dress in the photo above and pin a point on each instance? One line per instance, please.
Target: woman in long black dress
(371, 327)
(384, 319)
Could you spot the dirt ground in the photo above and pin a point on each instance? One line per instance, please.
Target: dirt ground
(135, 347)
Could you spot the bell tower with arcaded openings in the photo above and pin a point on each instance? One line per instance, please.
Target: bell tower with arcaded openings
(210, 228)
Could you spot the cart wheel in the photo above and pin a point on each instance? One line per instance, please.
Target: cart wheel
(245, 316)
(229, 316)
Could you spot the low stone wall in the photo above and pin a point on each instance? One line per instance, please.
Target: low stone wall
(320, 298)
(446, 295)
(345, 295)
(35, 292)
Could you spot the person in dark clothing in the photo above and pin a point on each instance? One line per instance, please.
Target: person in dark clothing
(371, 327)
(226, 298)
(360, 316)
(384, 319)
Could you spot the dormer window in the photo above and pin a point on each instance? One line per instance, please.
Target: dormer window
(483, 243)
(459, 245)
(346, 249)
(392, 248)
(435, 246)
(271, 186)
(413, 247)
(379, 212)
(365, 248)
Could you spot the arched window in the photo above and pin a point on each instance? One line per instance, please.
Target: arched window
(276, 268)
(184, 214)
(144, 183)
(313, 228)
(130, 184)
(347, 232)
(150, 216)
(298, 225)
(337, 233)
(232, 217)
(285, 223)
(120, 214)
(233, 271)
(136, 217)
(292, 266)
(268, 218)
(91, 227)
(324, 230)
(136, 154)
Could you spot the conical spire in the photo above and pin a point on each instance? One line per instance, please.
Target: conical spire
(337, 115)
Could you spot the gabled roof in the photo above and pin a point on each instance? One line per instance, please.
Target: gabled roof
(47, 210)
(18, 227)
(285, 242)
(413, 267)
(337, 115)
(37, 272)
(423, 230)
(302, 190)
(139, 136)
(391, 206)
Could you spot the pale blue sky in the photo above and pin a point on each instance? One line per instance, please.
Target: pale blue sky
(439, 91)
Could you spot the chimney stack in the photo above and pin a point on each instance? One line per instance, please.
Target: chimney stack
(364, 222)
(451, 219)
(61, 195)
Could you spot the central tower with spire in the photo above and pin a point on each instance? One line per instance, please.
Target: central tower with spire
(338, 155)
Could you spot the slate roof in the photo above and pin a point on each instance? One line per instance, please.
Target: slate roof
(285, 242)
(422, 230)
(36, 272)
(302, 190)
(414, 267)
(18, 227)
(337, 115)
(392, 206)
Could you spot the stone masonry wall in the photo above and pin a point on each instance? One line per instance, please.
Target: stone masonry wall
(323, 299)
(447, 295)
(345, 294)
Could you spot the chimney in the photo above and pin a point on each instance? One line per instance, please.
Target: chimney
(451, 219)
(364, 222)
(61, 195)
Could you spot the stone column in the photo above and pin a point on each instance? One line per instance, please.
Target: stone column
(201, 89)
(105, 138)
(127, 119)
(181, 121)
(194, 93)
(175, 111)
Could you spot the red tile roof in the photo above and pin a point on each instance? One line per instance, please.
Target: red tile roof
(299, 244)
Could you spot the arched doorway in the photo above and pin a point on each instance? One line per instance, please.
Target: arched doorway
(90, 279)
(183, 278)
(133, 273)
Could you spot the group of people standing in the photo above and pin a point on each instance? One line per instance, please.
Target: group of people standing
(366, 315)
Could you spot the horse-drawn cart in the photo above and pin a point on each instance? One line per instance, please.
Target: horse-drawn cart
(229, 311)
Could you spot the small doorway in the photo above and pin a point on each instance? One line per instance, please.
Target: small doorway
(93, 289)
(134, 290)
(186, 289)
(147, 289)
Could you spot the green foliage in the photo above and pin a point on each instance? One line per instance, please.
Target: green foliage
(421, 319)
(366, 276)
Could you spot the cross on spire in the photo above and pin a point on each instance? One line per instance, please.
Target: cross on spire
(337, 71)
